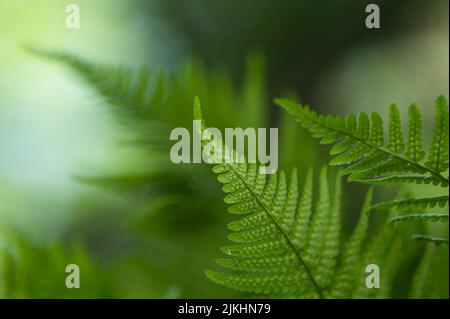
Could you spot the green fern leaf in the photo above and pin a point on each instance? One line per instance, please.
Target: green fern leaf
(301, 223)
(401, 179)
(424, 217)
(327, 265)
(283, 245)
(263, 243)
(413, 203)
(415, 144)
(345, 277)
(359, 144)
(395, 143)
(430, 239)
(438, 153)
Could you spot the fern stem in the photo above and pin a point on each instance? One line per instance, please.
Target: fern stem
(285, 236)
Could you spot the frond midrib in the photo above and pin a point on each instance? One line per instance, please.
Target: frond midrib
(285, 236)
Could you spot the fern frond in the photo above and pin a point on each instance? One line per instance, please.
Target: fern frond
(304, 212)
(139, 187)
(347, 275)
(134, 91)
(438, 153)
(359, 144)
(267, 252)
(283, 245)
(395, 136)
(413, 203)
(414, 149)
(326, 268)
(424, 217)
(430, 239)
(399, 179)
(151, 102)
(264, 243)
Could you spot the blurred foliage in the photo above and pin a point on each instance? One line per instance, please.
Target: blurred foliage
(35, 272)
(302, 38)
(177, 205)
